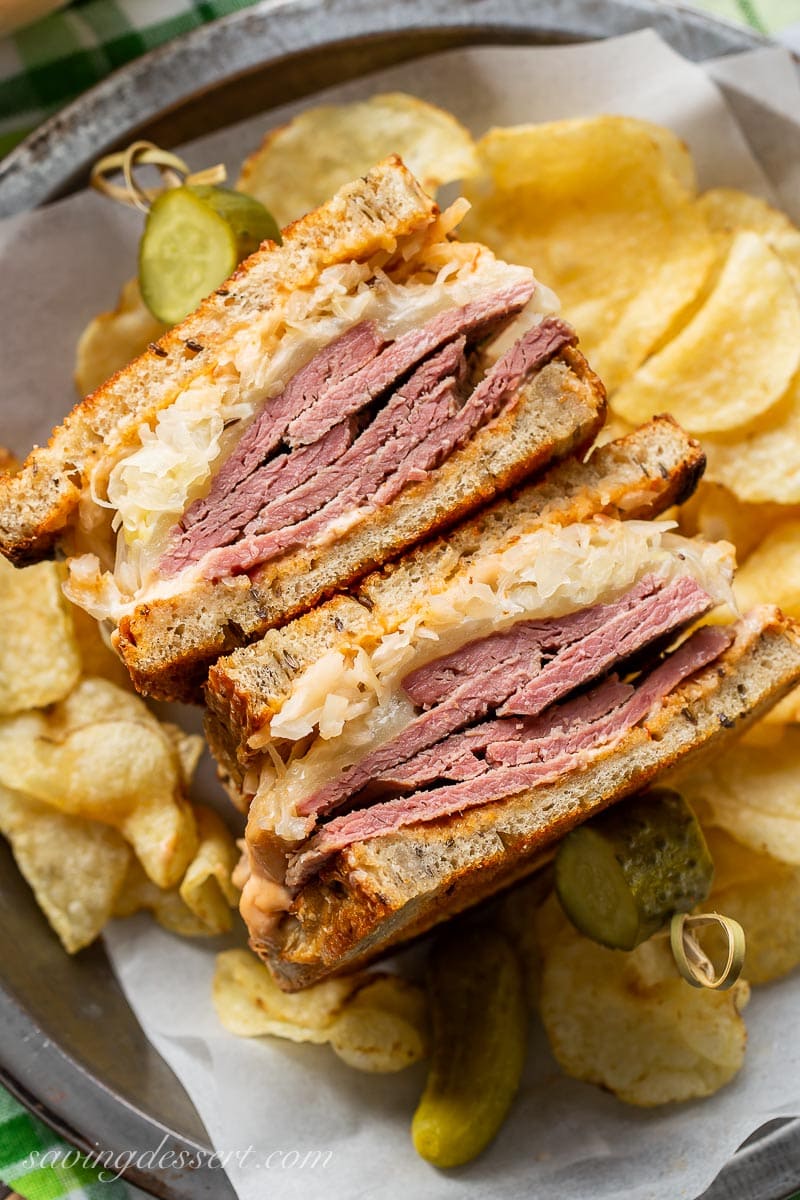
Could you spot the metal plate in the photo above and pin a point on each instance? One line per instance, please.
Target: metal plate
(70, 1047)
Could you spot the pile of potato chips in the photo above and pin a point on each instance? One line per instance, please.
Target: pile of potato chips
(373, 1021)
(93, 788)
(684, 303)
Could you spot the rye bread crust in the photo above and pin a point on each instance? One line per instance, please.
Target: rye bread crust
(637, 476)
(378, 893)
(168, 645)
(366, 216)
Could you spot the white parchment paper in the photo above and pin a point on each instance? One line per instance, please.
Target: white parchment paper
(563, 1139)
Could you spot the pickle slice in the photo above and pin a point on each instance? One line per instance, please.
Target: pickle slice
(250, 221)
(480, 1025)
(186, 251)
(622, 875)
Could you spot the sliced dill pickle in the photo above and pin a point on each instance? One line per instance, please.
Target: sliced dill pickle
(622, 875)
(250, 221)
(186, 251)
(479, 1025)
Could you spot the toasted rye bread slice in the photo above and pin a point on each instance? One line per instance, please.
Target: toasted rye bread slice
(637, 476)
(168, 645)
(378, 893)
(369, 215)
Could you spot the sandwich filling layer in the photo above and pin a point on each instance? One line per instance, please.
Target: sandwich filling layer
(318, 412)
(503, 615)
(503, 713)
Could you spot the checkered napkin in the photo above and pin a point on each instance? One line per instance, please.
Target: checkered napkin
(25, 1142)
(49, 63)
(42, 68)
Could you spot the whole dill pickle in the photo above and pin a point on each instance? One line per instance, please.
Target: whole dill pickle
(622, 875)
(480, 1027)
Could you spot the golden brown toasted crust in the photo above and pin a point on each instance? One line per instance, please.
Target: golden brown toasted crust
(368, 215)
(386, 890)
(168, 645)
(637, 476)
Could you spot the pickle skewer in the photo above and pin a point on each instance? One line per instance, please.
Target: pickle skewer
(622, 875)
(480, 1025)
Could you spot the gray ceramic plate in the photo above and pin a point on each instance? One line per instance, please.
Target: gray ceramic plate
(70, 1047)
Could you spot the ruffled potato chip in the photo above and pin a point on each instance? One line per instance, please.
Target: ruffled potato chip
(715, 513)
(97, 658)
(206, 888)
(517, 915)
(75, 867)
(140, 894)
(383, 1026)
(101, 754)
(39, 657)
(753, 792)
(250, 1003)
(298, 166)
(771, 574)
(374, 1023)
(736, 356)
(763, 895)
(201, 905)
(111, 340)
(602, 209)
(628, 1022)
(761, 461)
(728, 210)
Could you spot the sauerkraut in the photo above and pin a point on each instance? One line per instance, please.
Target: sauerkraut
(352, 697)
(149, 486)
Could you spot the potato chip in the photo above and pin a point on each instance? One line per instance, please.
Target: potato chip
(39, 657)
(97, 658)
(111, 340)
(628, 1022)
(600, 209)
(189, 747)
(250, 1003)
(761, 461)
(138, 893)
(763, 895)
(786, 711)
(771, 574)
(736, 356)
(753, 793)
(120, 769)
(300, 165)
(383, 1026)
(375, 1023)
(716, 514)
(517, 915)
(206, 888)
(728, 210)
(202, 904)
(75, 867)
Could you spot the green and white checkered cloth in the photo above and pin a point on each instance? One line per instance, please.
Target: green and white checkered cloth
(25, 1142)
(42, 68)
(49, 63)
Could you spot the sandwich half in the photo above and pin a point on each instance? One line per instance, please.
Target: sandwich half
(407, 750)
(344, 395)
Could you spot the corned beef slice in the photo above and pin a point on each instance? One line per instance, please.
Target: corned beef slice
(436, 428)
(465, 755)
(284, 473)
(494, 392)
(465, 686)
(339, 382)
(474, 320)
(544, 757)
(219, 517)
(295, 518)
